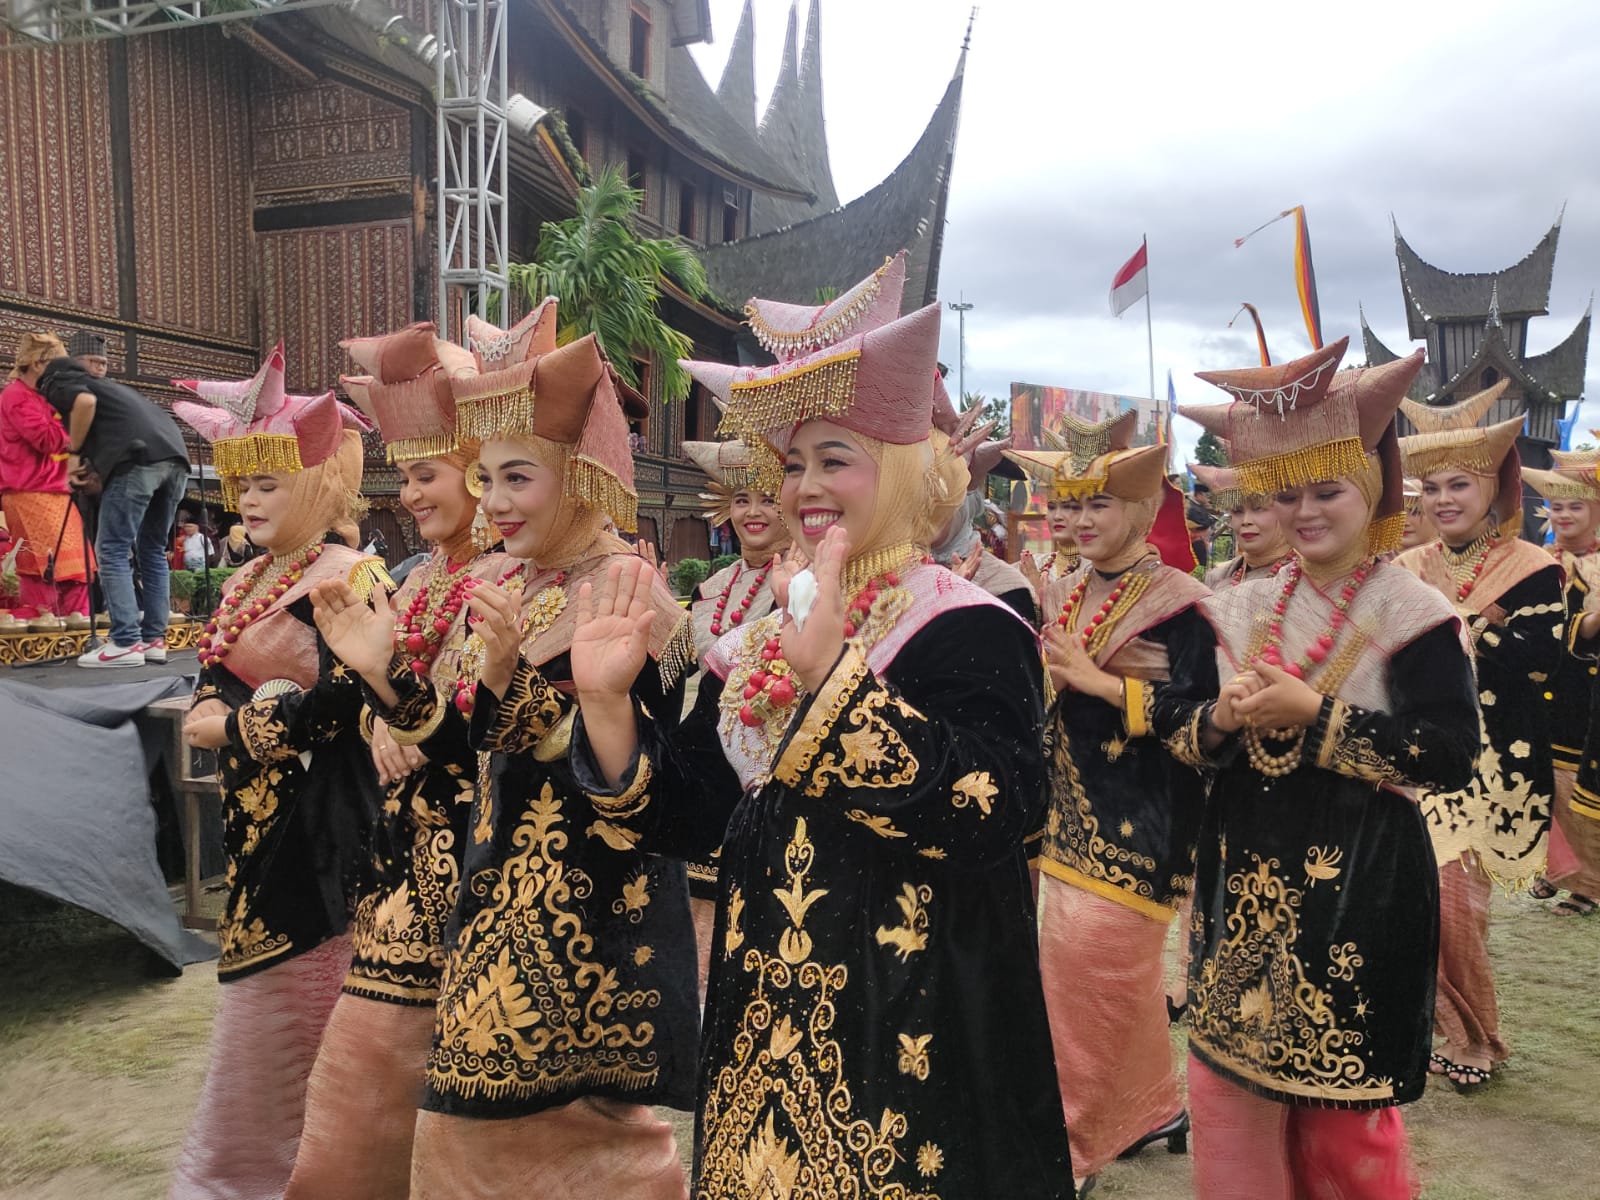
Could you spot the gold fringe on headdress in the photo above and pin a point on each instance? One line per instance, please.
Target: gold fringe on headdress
(1384, 534)
(1428, 453)
(1085, 441)
(821, 389)
(254, 454)
(597, 487)
(717, 504)
(436, 446)
(1563, 485)
(781, 343)
(1343, 458)
(505, 414)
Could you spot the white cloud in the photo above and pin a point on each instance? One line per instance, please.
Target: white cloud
(1085, 127)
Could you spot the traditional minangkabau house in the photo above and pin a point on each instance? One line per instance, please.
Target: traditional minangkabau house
(194, 194)
(1476, 330)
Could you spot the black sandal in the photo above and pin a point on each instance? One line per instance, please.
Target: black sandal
(1575, 905)
(1438, 1064)
(1475, 1078)
(1542, 889)
(1176, 1012)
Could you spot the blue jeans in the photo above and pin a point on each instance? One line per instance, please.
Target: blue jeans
(137, 508)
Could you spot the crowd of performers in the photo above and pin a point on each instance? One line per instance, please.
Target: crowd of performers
(886, 907)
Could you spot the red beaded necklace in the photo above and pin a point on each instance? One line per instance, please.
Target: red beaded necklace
(737, 616)
(1467, 578)
(1104, 611)
(241, 606)
(771, 687)
(1272, 648)
(432, 614)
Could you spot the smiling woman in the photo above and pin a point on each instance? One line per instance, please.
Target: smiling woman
(874, 1011)
(1509, 595)
(1345, 684)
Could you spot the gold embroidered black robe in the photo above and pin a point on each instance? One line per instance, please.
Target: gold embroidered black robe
(1315, 926)
(1569, 688)
(874, 1012)
(570, 955)
(1503, 816)
(299, 790)
(1123, 812)
(414, 869)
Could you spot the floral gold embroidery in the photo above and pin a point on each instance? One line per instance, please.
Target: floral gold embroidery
(1255, 1010)
(1322, 863)
(933, 852)
(616, 836)
(914, 1055)
(634, 897)
(879, 824)
(1072, 830)
(911, 935)
(524, 1006)
(642, 955)
(975, 787)
(769, 1167)
(733, 936)
(795, 944)
(930, 1160)
(262, 733)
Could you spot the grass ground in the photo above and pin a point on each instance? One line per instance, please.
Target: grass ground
(100, 1065)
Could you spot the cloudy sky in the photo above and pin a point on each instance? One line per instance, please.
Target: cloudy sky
(1085, 127)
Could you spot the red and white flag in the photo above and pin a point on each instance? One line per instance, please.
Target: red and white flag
(1132, 282)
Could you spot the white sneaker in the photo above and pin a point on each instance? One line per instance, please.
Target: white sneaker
(154, 652)
(112, 655)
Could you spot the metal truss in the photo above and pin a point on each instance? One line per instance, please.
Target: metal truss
(473, 160)
(65, 22)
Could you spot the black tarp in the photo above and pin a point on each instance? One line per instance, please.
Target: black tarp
(76, 819)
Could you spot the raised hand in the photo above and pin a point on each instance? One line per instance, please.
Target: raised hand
(967, 567)
(1030, 570)
(785, 568)
(612, 640)
(813, 650)
(1286, 702)
(985, 458)
(647, 551)
(362, 636)
(496, 617)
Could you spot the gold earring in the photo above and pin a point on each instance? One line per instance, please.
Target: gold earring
(482, 534)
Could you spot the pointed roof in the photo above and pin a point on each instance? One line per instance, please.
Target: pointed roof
(1432, 294)
(794, 130)
(836, 249)
(737, 88)
(1562, 368)
(689, 117)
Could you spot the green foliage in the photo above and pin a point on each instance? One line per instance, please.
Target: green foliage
(1208, 451)
(9, 585)
(722, 561)
(825, 295)
(687, 574)
(995, 408)
(608, 281)
(191, 586)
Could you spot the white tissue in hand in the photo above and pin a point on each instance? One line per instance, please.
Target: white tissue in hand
(802, 595)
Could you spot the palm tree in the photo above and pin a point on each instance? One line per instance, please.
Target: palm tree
(608, 279)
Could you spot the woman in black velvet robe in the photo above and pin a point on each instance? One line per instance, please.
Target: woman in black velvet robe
(1345, 686)
(875, 1023)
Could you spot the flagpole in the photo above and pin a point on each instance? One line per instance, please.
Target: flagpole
(1149, 331)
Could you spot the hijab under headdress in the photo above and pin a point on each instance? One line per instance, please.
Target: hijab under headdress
(1450, 437)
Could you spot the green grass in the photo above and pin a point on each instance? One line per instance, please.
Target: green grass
(100, 1065)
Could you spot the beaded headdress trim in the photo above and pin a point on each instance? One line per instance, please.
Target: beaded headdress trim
(1343, 458)
(835, 327)
(819, 389)
(253, 454)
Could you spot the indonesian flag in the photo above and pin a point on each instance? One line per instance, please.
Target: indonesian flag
(1132, 282)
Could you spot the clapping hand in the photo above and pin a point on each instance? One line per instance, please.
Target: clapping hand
(496, 617)
(392, 760)
(361, 635)
(812, 651)
(1072, 668)
(967, 567)
(1282, 702)
(1030, 570)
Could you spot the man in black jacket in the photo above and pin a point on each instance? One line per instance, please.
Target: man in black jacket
(139, 454)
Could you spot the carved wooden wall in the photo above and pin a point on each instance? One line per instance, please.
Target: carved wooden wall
(58, 225)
